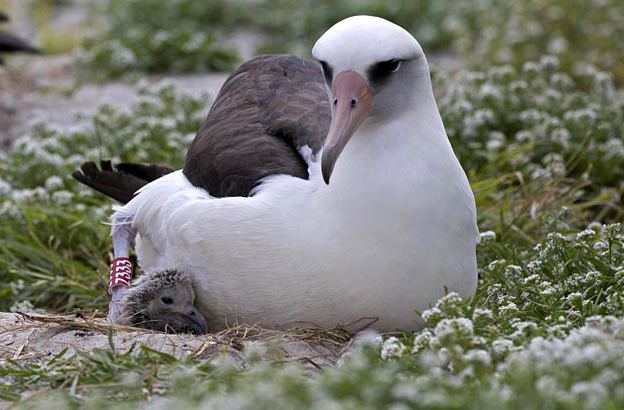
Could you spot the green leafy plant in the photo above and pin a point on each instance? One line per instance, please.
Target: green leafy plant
(186, 35)
(535, 140)
(578, 32)
(54, 241)
(153, 36)
(542, 331)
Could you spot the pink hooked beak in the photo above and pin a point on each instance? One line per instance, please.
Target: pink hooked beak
(352, 104)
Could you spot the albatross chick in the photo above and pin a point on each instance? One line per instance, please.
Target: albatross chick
(162, 301)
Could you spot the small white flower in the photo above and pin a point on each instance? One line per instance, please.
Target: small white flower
(592, 393)
(525, 136)
(489, 91)
(53, 183)
(479, 356)
(444, 355)
(531, 278)
(547, 288)
(496, 264)
(591, 277)
(561, 81)
(494, 144)
(530, 67)
(482, 314)
(17, 287)
(22, 306)
(558, 45)
(5, 188)
(422, 340)
(585, 234)
(517, 86)
(547, 385)
(509, 307)
(62, 197)
(161, 37)
(502, 346)
(430, 314)
(601, 246)
(585, 116)
(368, 337)
(574, 298)
(124, 57)
(449, 301)
(10, 209)
(487, 236)
(392, 347)
(449, 327)
(550, 62)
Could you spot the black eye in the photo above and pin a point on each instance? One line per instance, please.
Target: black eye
(380, 72)
(166, 300)
(327, 72)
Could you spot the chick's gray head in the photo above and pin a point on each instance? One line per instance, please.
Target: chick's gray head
(163, 301)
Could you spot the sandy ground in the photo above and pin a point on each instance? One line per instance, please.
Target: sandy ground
(37, 337)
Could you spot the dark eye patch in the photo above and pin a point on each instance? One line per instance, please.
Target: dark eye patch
(166, 300)
(327, 72)
(379, 73)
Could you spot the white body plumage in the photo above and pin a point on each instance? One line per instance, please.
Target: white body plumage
(384, 239)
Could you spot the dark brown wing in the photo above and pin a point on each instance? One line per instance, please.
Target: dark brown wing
(12, 43)
(267, 108)
(119, 182)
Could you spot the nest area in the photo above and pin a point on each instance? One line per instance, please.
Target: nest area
(29, 336)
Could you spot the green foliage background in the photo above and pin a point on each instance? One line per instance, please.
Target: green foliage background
(536, 116)
(187, 35)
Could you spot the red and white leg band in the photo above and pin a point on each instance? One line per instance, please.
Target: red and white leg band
(121, 270)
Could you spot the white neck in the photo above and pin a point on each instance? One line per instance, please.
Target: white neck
(387, 161)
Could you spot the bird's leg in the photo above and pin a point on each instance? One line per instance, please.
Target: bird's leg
(121, 268)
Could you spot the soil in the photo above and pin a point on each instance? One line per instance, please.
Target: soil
(35, 337)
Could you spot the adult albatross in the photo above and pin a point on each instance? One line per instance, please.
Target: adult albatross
(295, 208)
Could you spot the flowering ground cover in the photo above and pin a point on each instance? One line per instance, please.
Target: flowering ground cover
(187, 35)
(539, 130)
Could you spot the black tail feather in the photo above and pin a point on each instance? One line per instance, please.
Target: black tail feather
(121, 181)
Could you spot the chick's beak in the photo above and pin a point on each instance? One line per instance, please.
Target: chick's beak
(196, 321)
(352, 104)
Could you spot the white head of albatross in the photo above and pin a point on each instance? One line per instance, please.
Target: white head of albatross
(375, 72)
(253, 221)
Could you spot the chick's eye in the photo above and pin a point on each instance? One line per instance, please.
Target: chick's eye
(166, 300)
